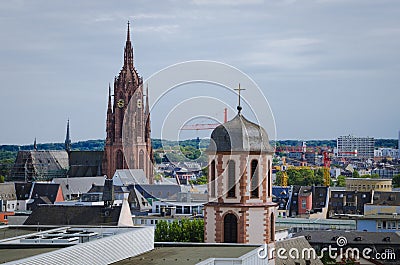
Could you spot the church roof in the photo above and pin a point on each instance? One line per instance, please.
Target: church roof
(74, 215)
(239, 135)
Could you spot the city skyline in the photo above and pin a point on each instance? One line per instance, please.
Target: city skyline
(328, 68)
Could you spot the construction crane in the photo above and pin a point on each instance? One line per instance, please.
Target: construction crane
(284, 179)
(327, 166)
(205, 126)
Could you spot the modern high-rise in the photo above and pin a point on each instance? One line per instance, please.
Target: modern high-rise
(357, 147)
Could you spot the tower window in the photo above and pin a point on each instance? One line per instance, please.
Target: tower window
(231, 179)
(212, 182)
(254, 179)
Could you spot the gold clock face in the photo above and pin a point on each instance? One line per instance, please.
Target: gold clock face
(121, 103)
(139, 103)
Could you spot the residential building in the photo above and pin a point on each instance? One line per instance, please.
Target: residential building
(343, 203)
(8, 197)
(387, 172)
(282, 197)
(368, 184)
(355, 147)
(382, 214)
(309, 201)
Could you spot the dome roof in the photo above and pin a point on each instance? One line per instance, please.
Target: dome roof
(239, 135)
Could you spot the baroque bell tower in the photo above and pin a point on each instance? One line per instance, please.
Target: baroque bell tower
(128, 142)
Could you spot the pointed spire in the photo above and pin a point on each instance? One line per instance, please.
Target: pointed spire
(128, 52)
(67, 143)
(109, 109)
(128, 34)
(34, 145)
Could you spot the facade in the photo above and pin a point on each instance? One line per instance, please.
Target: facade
(386, 172)
(240, 207)
(376, 223)
(282, 197)
(128, 118)
(309, 201)
(368, 184)
(348, 202)
(355, 147)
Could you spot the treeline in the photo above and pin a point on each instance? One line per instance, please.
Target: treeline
(98, 145)
(89, 145)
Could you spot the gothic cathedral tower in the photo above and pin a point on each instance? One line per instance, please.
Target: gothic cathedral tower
(128, 142)
(240, 207)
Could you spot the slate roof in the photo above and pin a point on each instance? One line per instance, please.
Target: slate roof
(353, 237)
(378, 242)
(7, 192)
(386, 198)
(298, 243)
(43, 193)
(126, 177)
(281, 196)
(85, 163)
(39, 165)
(78, 185)
(158, 191)
(73, 215)
(23, 190)
(239, 135)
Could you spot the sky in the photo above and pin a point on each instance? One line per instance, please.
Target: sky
(326, 67)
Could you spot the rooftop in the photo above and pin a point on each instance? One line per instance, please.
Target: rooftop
(188, 254)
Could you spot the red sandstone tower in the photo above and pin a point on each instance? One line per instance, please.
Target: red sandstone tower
(128, 142)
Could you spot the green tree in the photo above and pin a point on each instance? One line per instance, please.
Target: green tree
(341, 181)
(355, 174)
(184, 230)
(396, 181)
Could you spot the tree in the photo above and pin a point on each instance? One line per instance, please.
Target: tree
(199, 181)
(302, 176)
(355, 174)
(341, 181)
(183, 230)
(396, 181)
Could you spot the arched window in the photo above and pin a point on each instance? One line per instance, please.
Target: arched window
(141, 159)
(230, 228)
(254, 179)
(119, 160)
(212, 180)
(231, 179)
(272, 228)
(269, 176)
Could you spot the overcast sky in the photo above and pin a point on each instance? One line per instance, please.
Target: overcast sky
(327, 67)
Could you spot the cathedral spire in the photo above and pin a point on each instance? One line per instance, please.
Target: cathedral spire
(35, 145)
(147, 101)
(109, 109)
(67, 143)
(128, 52)
(128, 34)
